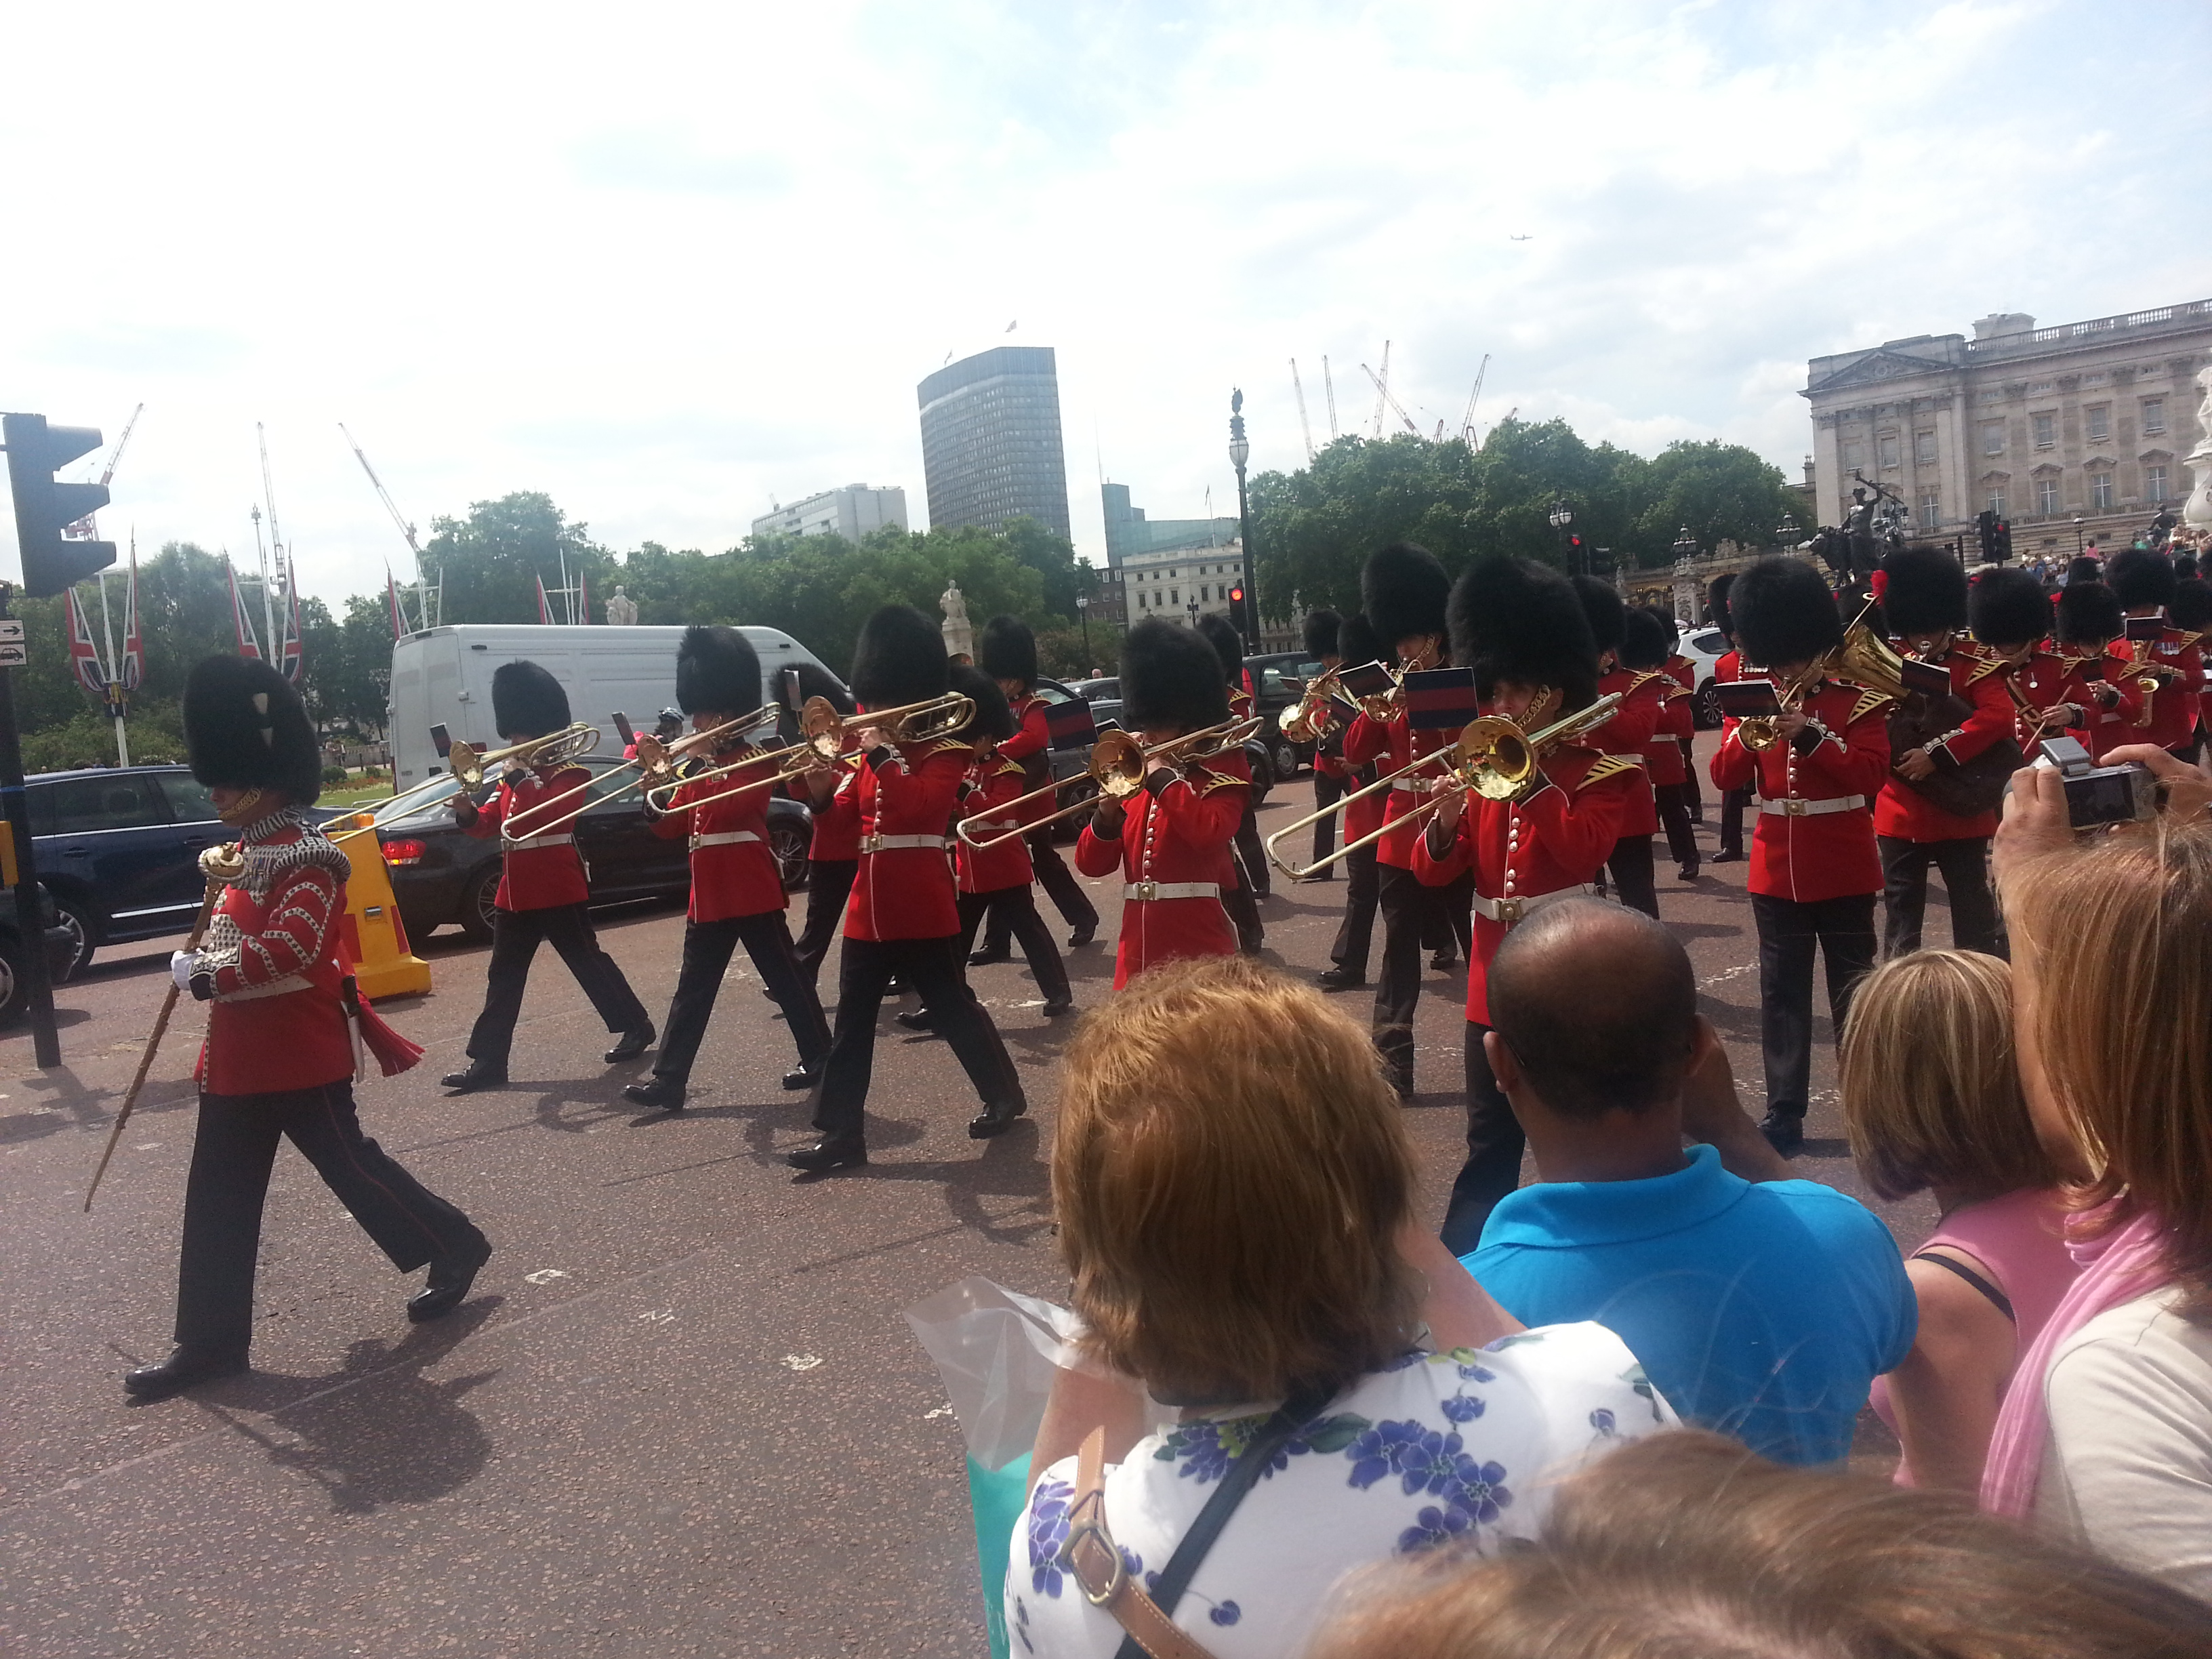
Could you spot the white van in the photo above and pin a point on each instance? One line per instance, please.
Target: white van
(443, 678)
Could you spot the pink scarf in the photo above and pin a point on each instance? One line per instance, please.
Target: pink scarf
(2115, 1269)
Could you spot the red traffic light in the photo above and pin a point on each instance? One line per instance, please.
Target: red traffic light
(1236, 596)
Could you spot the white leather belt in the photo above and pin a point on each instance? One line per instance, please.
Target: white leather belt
(722, 838)
(891, 843)
(1144, 892)
(275, 987)
(1520, 908)
(1005, 824)
(530, 841)
(1792, 808)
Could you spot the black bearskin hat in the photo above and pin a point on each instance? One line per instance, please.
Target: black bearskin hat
(1221, 634)
(1518, 620)
(2089, 614)
(1322, 630)
(716, 671)
(1170, 677)
(2192, 604)
(2138, 576)
(1355, 641)
(2084, 569)
(1717, 602)
(1923, 589)
(527, 701)
(2184, 567)
(1607, 615)
(2007, 607)
(1669, 621)
(992, 717)
(1403, 590)
(816, 681)
(1644, 642)
(1783, 612)
(1007, 650)
(246, 728)
(900, 658)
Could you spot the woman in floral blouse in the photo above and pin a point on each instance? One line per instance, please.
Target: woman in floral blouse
(1234, 1196)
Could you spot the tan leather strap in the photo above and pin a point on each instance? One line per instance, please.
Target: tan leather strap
(1092, 1558)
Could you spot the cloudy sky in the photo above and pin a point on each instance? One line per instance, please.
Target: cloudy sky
(672, 263)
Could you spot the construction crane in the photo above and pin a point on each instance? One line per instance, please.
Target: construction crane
(425, 598)
(1305, 426)
(87, 529)
(1467, 423)
(1383, 398)
(1328, 386)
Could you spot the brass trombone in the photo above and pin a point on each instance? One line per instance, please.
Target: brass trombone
(654, 759)
(1864, 658)
(1118, 764)
(1493, 757)
(467, 764)
(1320, 708)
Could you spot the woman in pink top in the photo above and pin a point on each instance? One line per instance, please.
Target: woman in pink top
(1932, 1103)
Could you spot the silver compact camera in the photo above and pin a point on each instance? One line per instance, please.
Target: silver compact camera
(2099, 795)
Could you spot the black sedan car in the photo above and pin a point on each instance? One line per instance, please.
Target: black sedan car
(441, 875)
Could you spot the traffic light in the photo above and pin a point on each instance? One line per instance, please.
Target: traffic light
(2000, 535)
(1237, 619)
(1985, 528)
(1577, 557)
(43, 507)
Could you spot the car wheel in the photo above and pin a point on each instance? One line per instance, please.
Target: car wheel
(477, 908)
(790, 847)
(1286, 761)
(12, 1000)
(1708, 706)
(73, 916)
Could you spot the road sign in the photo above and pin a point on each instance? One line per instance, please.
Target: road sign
(14, 654)
(11, 630)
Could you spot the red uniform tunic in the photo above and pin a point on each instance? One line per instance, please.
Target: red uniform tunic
(1174, 836)
(1034, 737)
(1551, 841)
(733, 870)
(276, 954)
(1364, 816)
(1902, 810)
(1627, 735)
(2173, 705)
(1662, 756)
(837, 821)
(904, 886)
(2102, 728)
(1828, 852)
(1727, 667)
(1682, 671)
(991, 785)
(545, 870)
(1391, 744)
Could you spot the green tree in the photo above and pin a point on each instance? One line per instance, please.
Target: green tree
(490, 564)
(1720, 492)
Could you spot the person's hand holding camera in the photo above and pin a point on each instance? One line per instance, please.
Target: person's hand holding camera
(2036, 820)
(2188, 788)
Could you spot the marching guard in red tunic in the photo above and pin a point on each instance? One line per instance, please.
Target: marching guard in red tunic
(1644, 648)
(2010, 614)
(284, 1029)
(1170, 839)
(1357, 647)
(542, 892)
(1625, 737)
(904, 919)
(1815, 871)
(1245, 853)
(1923, 603)
(2167, 672)
(1323, 629)
(1522, 629)
(2089, 619)
(1727, 670)
(1684, 673)
(737, 891)
(832, 794)
(1007, 653)
(995, 881)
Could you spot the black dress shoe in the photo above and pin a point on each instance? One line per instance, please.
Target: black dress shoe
(662, 1094)
(838, 1152)
(986, 956)
(1082, 936)
(996, 1119)
(633, 1044)
(1688, 872)
(478, 1076)
(914, 1019)
(1056, 1006)
(182, 1370)
(451, 1275)
(803, 1077)
(1443, 962)
(1784, 1132)
(1725, 857)
(1341, 979)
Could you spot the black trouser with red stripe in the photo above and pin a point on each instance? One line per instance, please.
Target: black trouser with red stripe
(829, 885)
(1495, 1142)
(1060, 886)
(707, 948)
(1675, 817)
(515, 935)
(1630, 861)
(930, 967)
(233, 1149)
(1014, 909)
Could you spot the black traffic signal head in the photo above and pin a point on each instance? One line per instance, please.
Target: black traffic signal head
(2002, 536)
(1985, 533)
(45, 506)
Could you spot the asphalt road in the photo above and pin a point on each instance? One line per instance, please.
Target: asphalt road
(681, 1413)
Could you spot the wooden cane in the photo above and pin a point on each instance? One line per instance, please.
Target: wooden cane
(216, 885)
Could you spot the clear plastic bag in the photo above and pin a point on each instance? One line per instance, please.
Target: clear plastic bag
(997, 1351)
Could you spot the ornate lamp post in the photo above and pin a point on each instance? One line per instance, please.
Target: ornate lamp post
(1240, 452)
(1685, 545)
(1786, 532)
(2077, 535)
(1561, 517)
(1083, 614)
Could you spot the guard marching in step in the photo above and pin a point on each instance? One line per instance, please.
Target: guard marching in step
(1645, 641)
(1253, 882)
(1526, 842)
(1007, 653)
(737, 890)
(832, 794)
(2162, 661)
(2089, 619)
(1626, 736)
(544, 894)
(2010, 614)
(1170, 838)
(1323, 631)
(904, 919)
(286, 1031)
(1362, 816)
(1814, 872)
(1727, 670)
(1684, 672)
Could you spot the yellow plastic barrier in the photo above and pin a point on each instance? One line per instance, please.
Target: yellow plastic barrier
(384, 965)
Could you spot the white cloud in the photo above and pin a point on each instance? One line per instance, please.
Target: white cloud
(672, 263)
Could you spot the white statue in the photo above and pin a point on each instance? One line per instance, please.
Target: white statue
(959, 636)
(621, 610)
(2197, 512)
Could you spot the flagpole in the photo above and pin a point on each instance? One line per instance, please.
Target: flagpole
(110, 672)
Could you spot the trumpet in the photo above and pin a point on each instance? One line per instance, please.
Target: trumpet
(1321, 708)
(467, 764)
(1864, 658)
(1118, 765)
(1493, 757)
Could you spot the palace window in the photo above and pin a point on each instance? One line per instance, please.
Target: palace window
(1996, 502)
(1993, 438)
(1931, 509)
(1888, 443)
(2153, 415)
(1854, 456)
(1206, 594)
(2046, 496)
(2046, 431)
(2154, 484)
(2100, 422)
(2100, 491)
(1923, 449)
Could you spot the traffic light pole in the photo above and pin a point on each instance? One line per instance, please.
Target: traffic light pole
(38, 988)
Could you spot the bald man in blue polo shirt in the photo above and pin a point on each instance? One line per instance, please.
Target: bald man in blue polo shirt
(1761, 1309)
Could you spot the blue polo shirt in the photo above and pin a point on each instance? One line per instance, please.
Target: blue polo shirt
(1761, 1310)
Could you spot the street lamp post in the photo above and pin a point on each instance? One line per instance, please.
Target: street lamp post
(1685, 545)
(2077, 535)
(1083, 615)
(1561, 517)
(1191, 605)
(1239, 453)
(1786, 532)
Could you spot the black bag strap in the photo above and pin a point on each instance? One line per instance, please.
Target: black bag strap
(1190, 1552)
(2002, 1303)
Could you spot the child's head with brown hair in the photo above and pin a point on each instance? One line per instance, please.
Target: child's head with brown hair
(1930, 1082)
(1230, 1174)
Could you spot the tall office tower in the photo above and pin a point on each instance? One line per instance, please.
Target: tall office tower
(990, 439)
